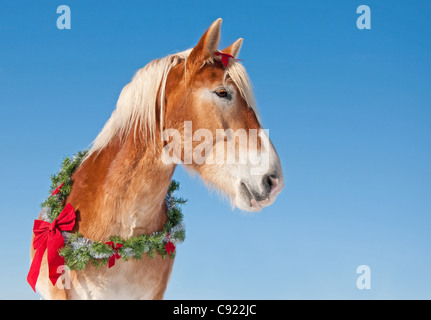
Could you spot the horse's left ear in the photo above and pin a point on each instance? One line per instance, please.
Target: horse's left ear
(207, 45)
(234, 48)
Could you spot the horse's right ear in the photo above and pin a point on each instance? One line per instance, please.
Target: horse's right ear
(207, 45)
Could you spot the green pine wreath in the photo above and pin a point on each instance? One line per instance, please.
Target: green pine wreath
(78, 251)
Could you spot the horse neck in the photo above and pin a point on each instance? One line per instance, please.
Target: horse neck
(121, 190)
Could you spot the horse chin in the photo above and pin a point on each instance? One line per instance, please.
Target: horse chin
(248, 200)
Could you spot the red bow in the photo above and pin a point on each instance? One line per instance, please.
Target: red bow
(48, 236)
(169, 247)
(112, 258)
(57, 190)
(225, 57)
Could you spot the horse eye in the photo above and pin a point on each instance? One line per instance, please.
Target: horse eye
(222, 93)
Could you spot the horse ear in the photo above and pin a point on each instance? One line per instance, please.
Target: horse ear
(208, 44)
(234, 48)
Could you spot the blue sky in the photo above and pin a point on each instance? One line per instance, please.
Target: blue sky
(348, 110)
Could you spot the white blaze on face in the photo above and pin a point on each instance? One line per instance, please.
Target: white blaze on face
(261, 178)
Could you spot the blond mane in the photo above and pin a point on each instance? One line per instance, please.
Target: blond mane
(136, 104)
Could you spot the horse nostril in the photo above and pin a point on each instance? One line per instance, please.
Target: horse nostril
(269, 182)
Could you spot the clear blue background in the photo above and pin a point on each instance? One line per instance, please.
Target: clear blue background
(348, 110)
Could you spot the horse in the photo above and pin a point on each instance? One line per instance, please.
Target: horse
(120, 187)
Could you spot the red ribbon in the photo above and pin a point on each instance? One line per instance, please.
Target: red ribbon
(225, 58)
(48, 236)
(169, 247)
(57, 190)
(112, 258)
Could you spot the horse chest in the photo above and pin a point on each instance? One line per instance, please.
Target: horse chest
(133, 279)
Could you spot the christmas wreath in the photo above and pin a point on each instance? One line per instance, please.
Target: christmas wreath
(52, 232)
